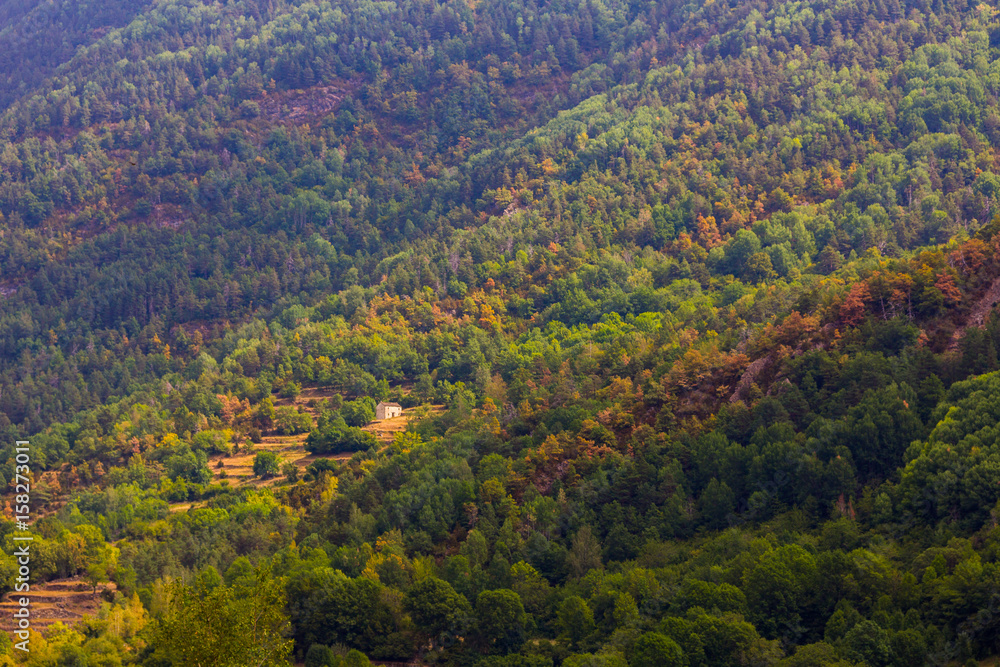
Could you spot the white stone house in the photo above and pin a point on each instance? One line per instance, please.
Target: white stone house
(388, 410)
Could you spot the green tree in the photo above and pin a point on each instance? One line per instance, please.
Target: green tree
(814, 655)
(777, 588)
(319, 656)
(576, 621)
(501, 620)
(327, 607)
(290, 421)
(97, 573)
(591, 660)
(716, 503)
(266, 465)
(655, 650)
(226, 626)
(437, 608)
(867, 643)
(358, 413)
(585, 553)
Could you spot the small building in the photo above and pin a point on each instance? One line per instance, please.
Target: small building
(388, 410)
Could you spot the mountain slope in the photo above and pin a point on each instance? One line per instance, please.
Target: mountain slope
(37, 37)
(703, 288)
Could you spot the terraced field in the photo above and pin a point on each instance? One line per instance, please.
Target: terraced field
(66, 600)
(237, 468)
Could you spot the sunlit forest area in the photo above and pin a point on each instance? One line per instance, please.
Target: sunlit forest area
(688, 306)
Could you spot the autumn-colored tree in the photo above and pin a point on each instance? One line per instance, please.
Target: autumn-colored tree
(854, 307)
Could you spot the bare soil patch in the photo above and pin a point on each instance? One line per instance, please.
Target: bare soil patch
(977, 316)
(300, 105)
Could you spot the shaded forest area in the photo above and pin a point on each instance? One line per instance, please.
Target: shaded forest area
(706, 290)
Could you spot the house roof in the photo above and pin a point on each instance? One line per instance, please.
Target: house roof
(388, 405)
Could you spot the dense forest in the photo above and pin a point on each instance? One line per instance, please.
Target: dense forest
(689, 306)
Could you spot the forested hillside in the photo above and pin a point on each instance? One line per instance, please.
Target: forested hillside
(689, 307)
